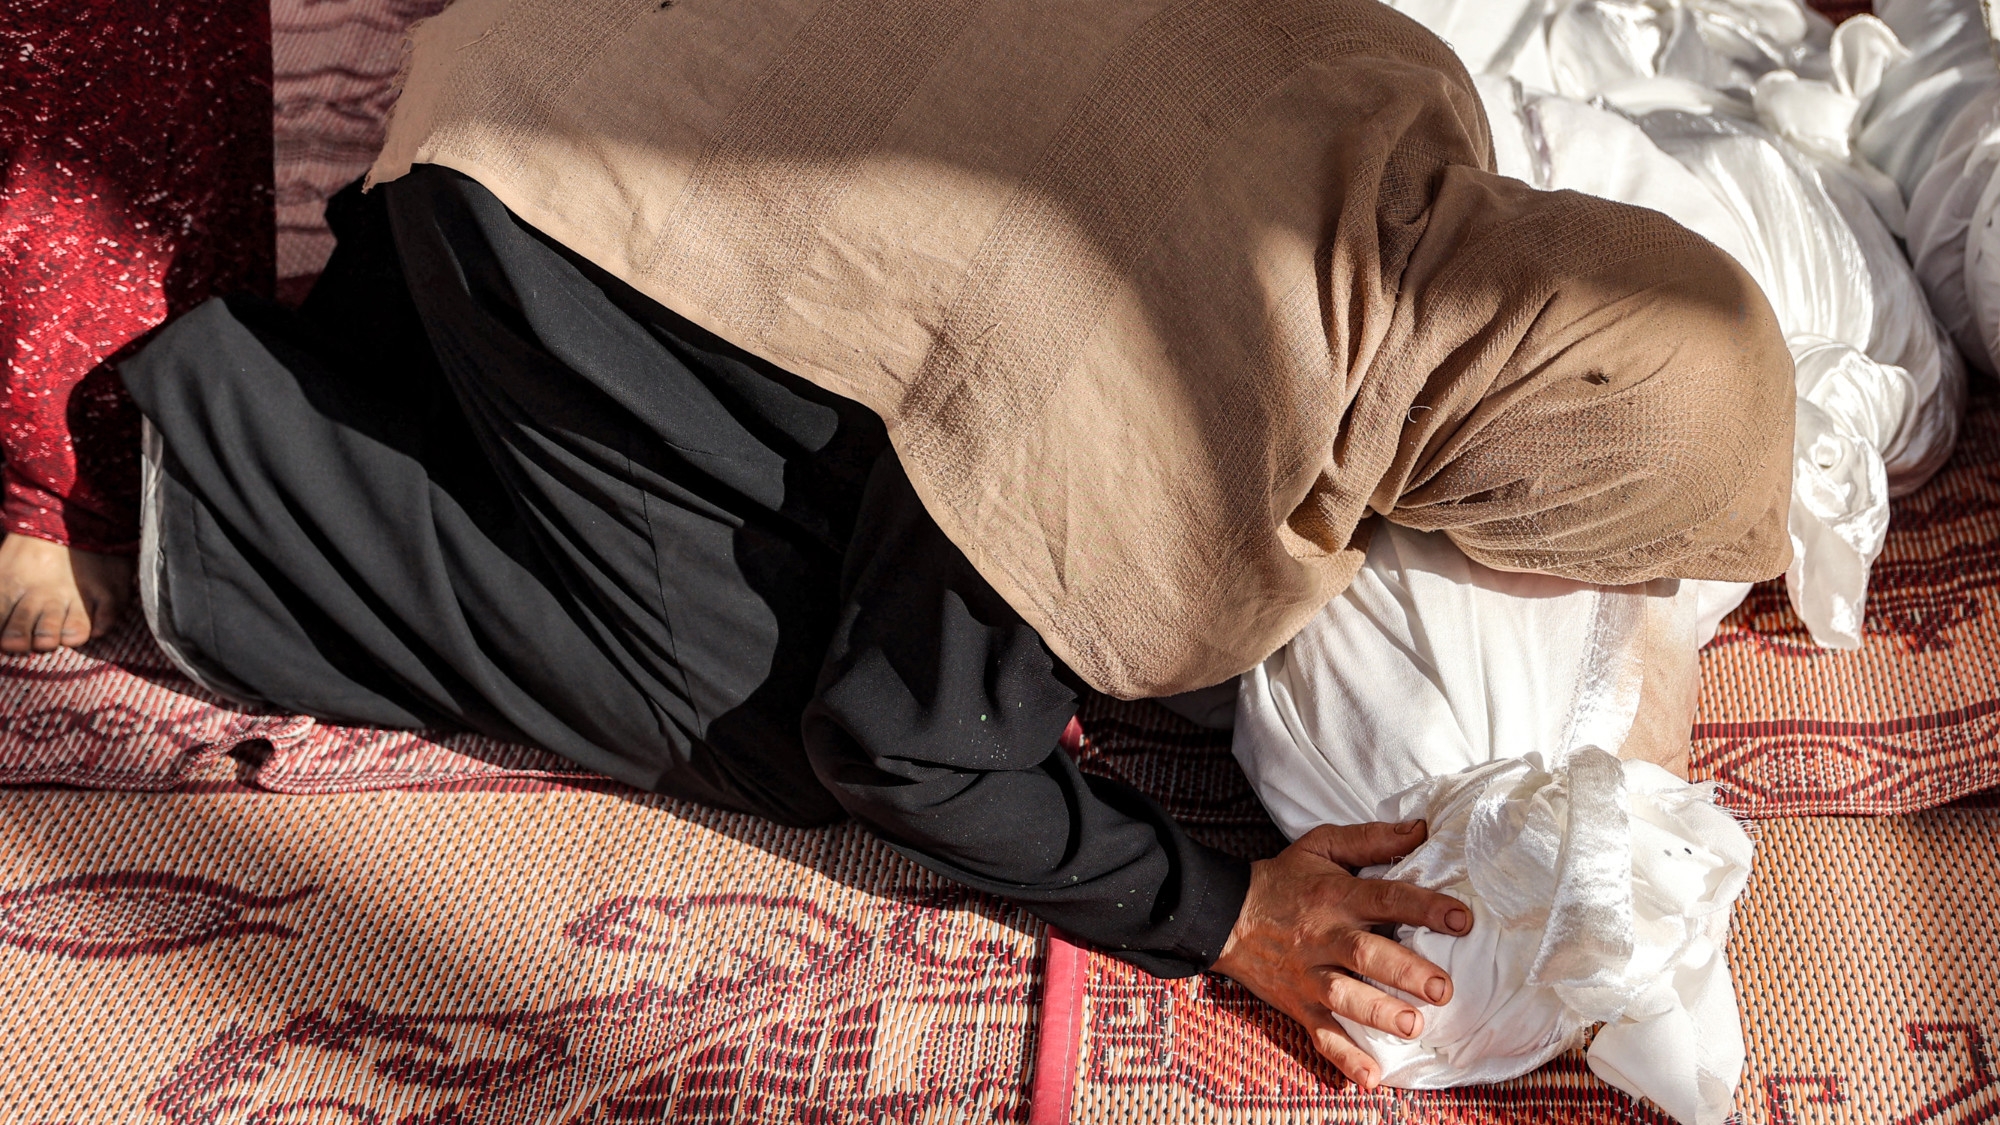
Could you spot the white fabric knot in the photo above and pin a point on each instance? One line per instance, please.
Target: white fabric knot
(1600, 892)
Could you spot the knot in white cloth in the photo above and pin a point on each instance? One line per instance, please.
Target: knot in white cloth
(1600, 893)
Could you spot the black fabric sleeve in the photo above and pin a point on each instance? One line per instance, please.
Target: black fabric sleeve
(936, 723)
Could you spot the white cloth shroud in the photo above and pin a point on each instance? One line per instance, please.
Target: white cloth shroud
(1954, 217)
(1947, 64)
(1600, 889)
(1733, 117)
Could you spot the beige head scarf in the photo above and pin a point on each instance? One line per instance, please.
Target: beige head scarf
(1160, 299)
(1586, 389)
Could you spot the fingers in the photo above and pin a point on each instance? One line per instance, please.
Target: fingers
(1397, 965)
(1363, 845)
(1305, 924)
(1385, 900)
(1333, 1042)
(1370, 1006)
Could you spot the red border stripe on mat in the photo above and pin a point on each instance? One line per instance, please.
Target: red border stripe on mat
(1054, 1081)
(1906, 725)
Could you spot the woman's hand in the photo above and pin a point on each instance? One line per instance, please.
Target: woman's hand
(1307, 922)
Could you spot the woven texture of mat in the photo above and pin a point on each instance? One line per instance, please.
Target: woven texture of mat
(531, 958)
(1867, 960)
(1910, 720)
(559, 955)
(119, 716)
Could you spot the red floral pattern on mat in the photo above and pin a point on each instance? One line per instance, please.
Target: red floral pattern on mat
(1975, 1099)
(1936, 575)
(114, 915)
(765, 1030)
(1205, 1048)
(1910, 721)
(135, 180)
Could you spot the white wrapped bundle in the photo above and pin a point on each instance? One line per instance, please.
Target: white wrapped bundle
(1902, 128)
(1601, 46)
(1600, 892)
(1953, 234)
(1438, 687)
(1430, 662)
(1832, 272)
(1881, 389)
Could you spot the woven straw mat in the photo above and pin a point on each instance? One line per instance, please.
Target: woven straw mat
(491, 938)
(490, 958)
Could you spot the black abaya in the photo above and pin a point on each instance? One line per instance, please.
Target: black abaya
(478, 483)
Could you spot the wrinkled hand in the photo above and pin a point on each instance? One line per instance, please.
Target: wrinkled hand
(1307, 923)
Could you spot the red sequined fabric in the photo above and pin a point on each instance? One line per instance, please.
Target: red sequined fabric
(135, 181)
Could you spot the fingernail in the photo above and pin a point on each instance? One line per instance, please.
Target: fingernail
(1366, 1078)
(1457, 920)
(1408, 826)
(1434, 988)
(1406, 1024)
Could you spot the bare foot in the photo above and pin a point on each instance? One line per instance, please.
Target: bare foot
(54, 595)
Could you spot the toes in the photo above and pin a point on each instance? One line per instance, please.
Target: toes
(39, 623)
(75, 627)
(47, 632)
(17, 634)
